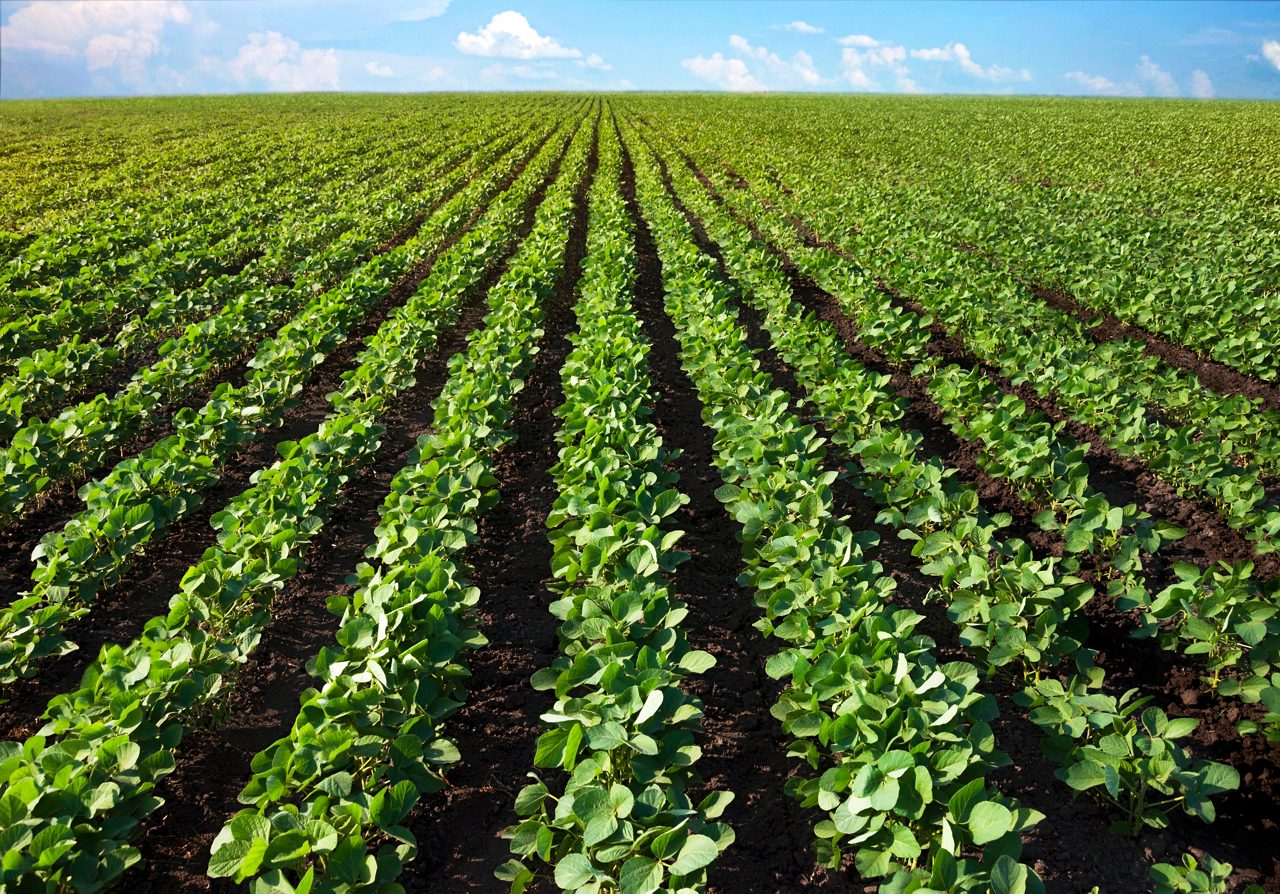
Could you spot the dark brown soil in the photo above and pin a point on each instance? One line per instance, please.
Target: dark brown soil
(921, 413)
(214, 762)
(120, 612)
(1247, 820)
(59, 502)
(1123, 479)
(495, 731)
(743, 749)
(1212, 374)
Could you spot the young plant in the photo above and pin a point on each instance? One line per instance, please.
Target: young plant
(1124, 754)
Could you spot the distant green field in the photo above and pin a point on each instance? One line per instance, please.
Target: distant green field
(639, 493)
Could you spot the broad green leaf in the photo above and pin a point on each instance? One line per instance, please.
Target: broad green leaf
(988, 821)
(698, 851)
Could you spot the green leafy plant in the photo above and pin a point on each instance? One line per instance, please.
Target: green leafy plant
(1124, 752)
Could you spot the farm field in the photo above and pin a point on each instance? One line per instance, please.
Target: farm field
(636, 493)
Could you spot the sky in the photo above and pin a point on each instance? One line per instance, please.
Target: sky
(137, 47)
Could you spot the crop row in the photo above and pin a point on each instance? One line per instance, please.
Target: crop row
(897, 744)
(327, 800)
(1220, 613)
(1012, 609)
(48, 377)
(77, 790)
(84, 436)
(148, 492)
(1223, 453)
(1156, 215)
(611, 809)
(111, 194)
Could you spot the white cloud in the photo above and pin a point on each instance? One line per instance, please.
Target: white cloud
(863, 54)
(127, 53)
(858, 40)
(66, 29)
(725, 73)
(1161, 82)
(121, 35)
(510, 36)
(435, 75)
(1271, 52)
(886, 54)
(799, 69)
(424, 11)
(1096, 83)
(282, 63)
(1149, 80)
(937, 54)
(959, 53)
(1201, 85)
(802, 65)
(800, 27)
(595, 61)
(378, 70)
(859, 78)
(862, 51)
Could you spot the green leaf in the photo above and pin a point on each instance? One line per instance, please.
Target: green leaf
(698, 851)
(989, 820)
(227, 858)
(1009, 876)
(640, 875)
(391, 805)
(573, 871)
(530, 798)
(727, 493)
(1076, 540)
(714, 804)
(1083, 775)
(252, 861)
(651, 705)
(1219, 778)
(249, 824)
(287, 848)
(697, 662)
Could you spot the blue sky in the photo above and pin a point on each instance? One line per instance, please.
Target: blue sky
(127, 47)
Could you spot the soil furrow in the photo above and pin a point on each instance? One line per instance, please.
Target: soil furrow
(496, 729)
(214, 762)
(1213, 374)
(60, 501)
(743, 749)
(1249, 814)
(120, 612)
(1172, 678)
(921, 414)
(1122, 479)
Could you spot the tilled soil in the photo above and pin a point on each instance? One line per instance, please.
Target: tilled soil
(1211, 373)
(1247, 819)
(213, 764)
(120, 612)
(496, 729)
(743, 749)
(53, 508)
